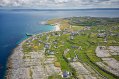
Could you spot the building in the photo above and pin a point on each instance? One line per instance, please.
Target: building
(66, 74)
(101, 35)
(47, 45)
(71, 37)
(55, 42)
(50, 52)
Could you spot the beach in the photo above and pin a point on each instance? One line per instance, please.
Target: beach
(57, 27)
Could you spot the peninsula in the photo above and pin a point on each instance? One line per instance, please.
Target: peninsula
(79, 48)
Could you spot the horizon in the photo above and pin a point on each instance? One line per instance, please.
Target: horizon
(59, 8)
(59, 4)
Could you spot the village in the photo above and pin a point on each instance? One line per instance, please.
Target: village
(74, 52)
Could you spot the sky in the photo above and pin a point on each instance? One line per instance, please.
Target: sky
(60, 4)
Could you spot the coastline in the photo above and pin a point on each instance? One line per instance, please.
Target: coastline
(9, 62)
(28, 62)
(19, 48)
(29, 55)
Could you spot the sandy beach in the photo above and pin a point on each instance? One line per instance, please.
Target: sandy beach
(57, 27)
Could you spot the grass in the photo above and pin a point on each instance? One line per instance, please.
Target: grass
(77, 28)
(116, 57)
(87, 40)
(55, 77)
(88, 50)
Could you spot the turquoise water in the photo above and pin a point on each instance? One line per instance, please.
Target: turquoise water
(14, 25)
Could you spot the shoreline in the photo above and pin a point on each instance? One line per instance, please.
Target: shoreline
(19, 46)
(8, 65)
(57, 28)
(20, 68)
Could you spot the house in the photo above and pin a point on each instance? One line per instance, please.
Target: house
(47, 37)
(113, 34)
(71, 37)
(59, 34)
(29, 41)
(101, 31)
(47, 45)
(52, 34)
(65, 31)
(69, 59)
(74, 33)
(50, 52)
(101, 35)
(40, 41)
(55, 47)
(66, 74)
(105, 40)
(87, 28)
(80, 47)
(75, 58)
(66, 51)
(55, 41)
(118, 34)
(74, 47)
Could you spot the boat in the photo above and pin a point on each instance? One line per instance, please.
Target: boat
(28, 34)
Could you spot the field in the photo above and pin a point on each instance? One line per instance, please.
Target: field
(78, 38)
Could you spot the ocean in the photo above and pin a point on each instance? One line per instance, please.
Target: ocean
(15, 24)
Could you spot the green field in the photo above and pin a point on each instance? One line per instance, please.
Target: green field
(86, 39)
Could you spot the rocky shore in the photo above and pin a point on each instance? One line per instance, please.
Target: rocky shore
(13, 58)
(30, 65)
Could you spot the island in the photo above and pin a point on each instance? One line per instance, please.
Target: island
(79, 48)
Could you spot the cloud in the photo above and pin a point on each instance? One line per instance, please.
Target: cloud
(60, 3)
